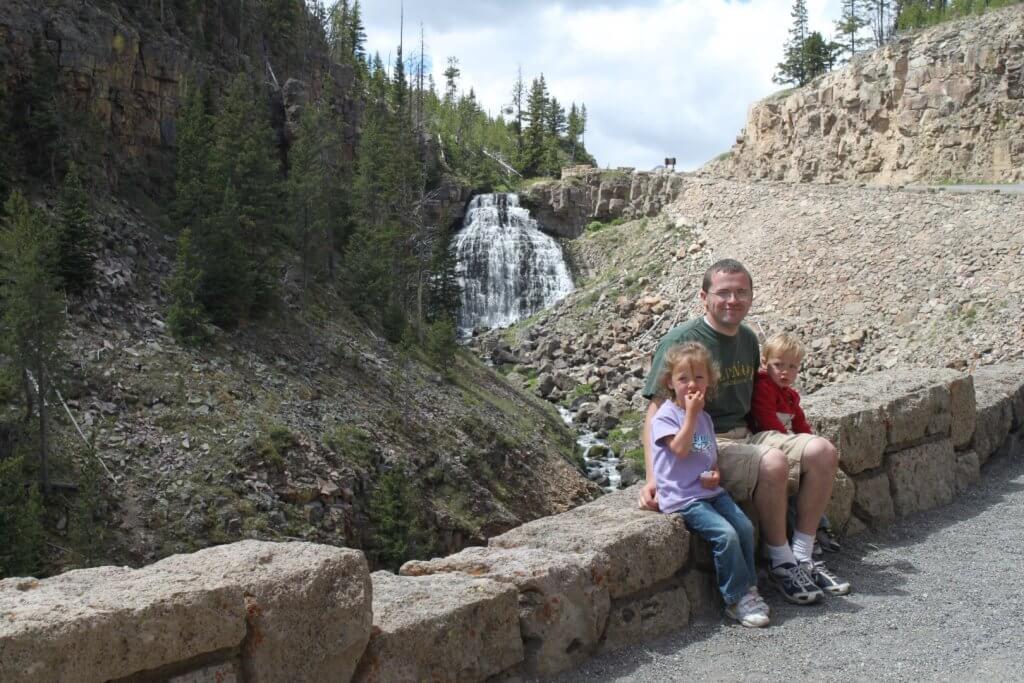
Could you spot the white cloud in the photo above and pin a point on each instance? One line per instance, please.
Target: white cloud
(660, 78)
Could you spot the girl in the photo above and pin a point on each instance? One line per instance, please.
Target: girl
(686, 472)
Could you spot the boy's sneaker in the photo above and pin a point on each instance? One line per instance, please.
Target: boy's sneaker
(824, 579)
(749, 611)
(795, 584)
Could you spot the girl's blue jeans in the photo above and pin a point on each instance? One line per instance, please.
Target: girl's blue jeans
(731, 535)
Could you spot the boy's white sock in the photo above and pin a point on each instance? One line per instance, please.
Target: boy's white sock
(803, 546)
(780, 554)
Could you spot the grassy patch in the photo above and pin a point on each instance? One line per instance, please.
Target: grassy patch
(350, 442)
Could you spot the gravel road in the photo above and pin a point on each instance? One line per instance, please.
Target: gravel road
(936, 597)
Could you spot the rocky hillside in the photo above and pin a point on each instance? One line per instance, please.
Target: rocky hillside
(869, 278)
(307, 426)
(940, 105)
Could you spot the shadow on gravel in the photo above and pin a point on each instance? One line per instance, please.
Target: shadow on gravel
(857, 562)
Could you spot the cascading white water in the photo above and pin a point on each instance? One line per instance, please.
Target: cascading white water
(508, 269)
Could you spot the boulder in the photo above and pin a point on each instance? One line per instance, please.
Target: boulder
(284, 584)
(563, 598)
(440, 627)
(922, 477)
(643, 548)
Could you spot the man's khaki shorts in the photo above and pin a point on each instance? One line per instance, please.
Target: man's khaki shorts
(740, 453)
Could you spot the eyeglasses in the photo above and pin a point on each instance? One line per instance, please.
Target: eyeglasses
(738, 294)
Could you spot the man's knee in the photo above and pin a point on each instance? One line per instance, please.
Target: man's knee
(773, 468)
(820, 455)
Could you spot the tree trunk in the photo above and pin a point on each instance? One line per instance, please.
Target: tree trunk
(44, 473)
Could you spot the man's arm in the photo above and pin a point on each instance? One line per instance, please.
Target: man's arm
(648, 493)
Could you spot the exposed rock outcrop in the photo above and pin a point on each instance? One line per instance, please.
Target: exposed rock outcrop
(565, 207)
(944, 104)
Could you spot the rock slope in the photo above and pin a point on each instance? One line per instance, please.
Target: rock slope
(944, 104)
(869, 278)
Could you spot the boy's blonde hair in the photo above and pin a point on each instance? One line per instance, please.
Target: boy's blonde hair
(783, 344)
(682, 353)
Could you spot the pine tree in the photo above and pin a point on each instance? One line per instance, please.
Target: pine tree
(391, 514)
(33, 312)
(192, 183)
(574, 130)
(819, 55)
(186, 316)
(306, 187)
(536, 135)
(241, 166)
(518, 98)
(77, 237)
(451, 80)
(793, 69)
(850, 27)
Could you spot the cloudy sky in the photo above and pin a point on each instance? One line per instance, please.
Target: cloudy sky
(659, 77)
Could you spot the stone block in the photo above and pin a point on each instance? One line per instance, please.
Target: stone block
(700, 553)
(563, 598)
(922, 477)
(642, 547)
(307, 605)
(968, 470)
(635, 619)
(703, 594)
(856, 429)
(963, 409)
(892, 410)
(109, 622)
(872, 501)
(1008, 378)
(1012, 446)
(840, 505)
(995, 415)
(441, 627)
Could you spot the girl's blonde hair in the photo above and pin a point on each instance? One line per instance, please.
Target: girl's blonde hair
(682, 353)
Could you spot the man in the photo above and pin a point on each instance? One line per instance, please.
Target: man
(759, 467)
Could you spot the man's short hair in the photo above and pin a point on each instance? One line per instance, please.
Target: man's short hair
(783, 344)
(726, 265)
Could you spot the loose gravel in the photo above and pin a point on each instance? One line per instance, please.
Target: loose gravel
(936, 597)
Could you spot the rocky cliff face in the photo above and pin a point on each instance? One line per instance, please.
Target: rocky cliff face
(130, 71)
(584, 194)
(945, 104)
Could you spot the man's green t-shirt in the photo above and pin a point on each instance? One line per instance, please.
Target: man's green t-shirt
(738, 358)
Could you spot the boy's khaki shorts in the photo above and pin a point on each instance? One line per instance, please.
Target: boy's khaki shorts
(740, 453)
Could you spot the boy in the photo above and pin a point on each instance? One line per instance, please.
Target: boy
(775, 408)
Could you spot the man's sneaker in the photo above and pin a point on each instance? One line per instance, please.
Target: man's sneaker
(749, 611)
(794, 584)
(826, 541)
(825, 579)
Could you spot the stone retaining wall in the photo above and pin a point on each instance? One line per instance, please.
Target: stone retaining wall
(537, 600)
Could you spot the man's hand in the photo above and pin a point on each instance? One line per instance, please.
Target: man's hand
(649, 497)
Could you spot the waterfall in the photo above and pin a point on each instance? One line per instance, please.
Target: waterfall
(508, 269)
